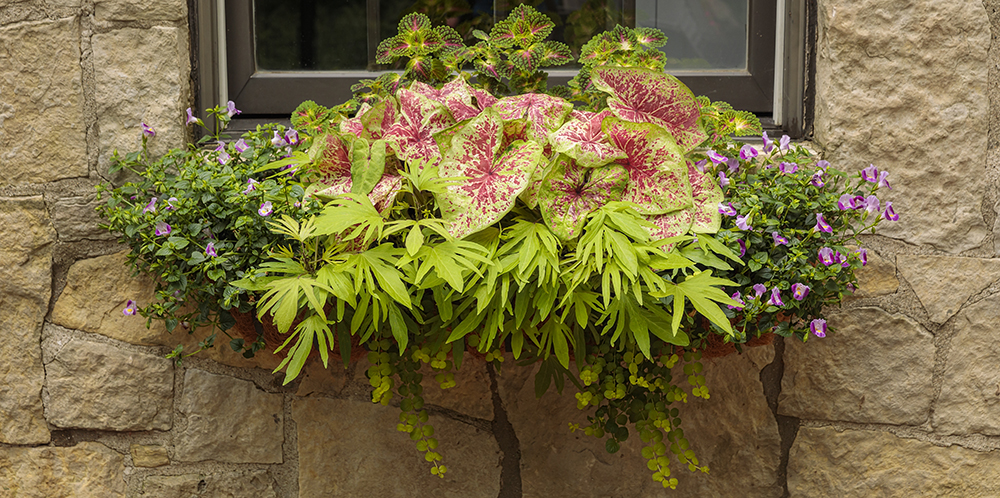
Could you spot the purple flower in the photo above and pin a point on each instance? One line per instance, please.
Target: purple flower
(850, 288)
(129, 308)
(191, 119)
(278, 140)
(747, 152)
(870, 174)
(843, 261)
(723, 181)
(224, 157)
(779, 240)
(800, 291)
(727, 209)
(871, 204)
(147, 130)
(759, 290)
(151, 207)
(292, 137)
(734, 164)
(210, 248)
(788, 168)
(883, 179)
(716, 157)
(170, 203)
(241, 146)
(700, 165)
(890, 213)
(162, 228)
(826, 256)
(863, 255)
(775, 298)
(818, 327)
(743, 247)
(848, 201)
(741, 223)
(823, 164)
(768, 144)
(231, 109)
(784, 142)
(251, 186)
(739, 299)
(817, 179)
(265, 209)
(822, 225)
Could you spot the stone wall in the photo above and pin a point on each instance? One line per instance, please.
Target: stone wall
(904, 398)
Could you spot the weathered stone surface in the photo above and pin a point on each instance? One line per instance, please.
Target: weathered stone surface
(825, 462)
(317, 380)
(42, 128)
(26, 241)
(139, 10)
(141, 75)
(251, 483)
(75, 218)
(875, 368)
(877, 278)
(87, 470)
(471, 395)
(352, 448)
(969, 402)
(152, 455)
(908, 93)
(228, 420)
(943, 284)
(95, 386)
(733, 433)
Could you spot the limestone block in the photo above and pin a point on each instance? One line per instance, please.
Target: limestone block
(251, 483)
(733, 432)
(943, 284)
(75, 218)
(873, 368)
(26, 241)
(228, 420)
(969, 402)
(471, 395)
(825, 462)
(87, 470)
(152, 455)
(877, 278)
(352, 448)
(139, 10)
(317, 380)
(141, 75)
(92, 385)
(42, 129)
(908, 93)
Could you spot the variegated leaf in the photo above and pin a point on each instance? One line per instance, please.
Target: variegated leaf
(645, 96)
(570, 192)
(334, 167)
(494, 177)
(546, 113)
(707, 196)
(456, 95)
(658, 178)
(671, 225)
(583, 140)
(412, 135)
(371, 122)
(530, 195)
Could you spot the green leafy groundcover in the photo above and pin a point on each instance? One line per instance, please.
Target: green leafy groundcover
(604, 230)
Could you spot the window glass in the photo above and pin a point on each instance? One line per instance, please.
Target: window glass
(701, 34)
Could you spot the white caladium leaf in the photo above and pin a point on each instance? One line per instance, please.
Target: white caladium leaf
(457, 95)
(334, 166)
(371, 122)
(354, 125)
(671, 225)
(494, 175)
(645, 96)
(583, 140)
(570, 192)
(530, 195)
(657, 170)
(545, 112)
(707, 196)
(412, 134)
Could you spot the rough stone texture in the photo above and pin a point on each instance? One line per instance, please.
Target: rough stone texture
(252, 483)
(228, 420)
(95, 386)
(141, 75)
(902, 84)
(943, 284)
(825, 462)
(42, 129)
(969, 402)
(87, 470)
(351, 448)
(877, 278)
(471, 395)
(317, 380)
(152, 455)
(140, 10)
(75, 218)
(875, 368)
(26, 241)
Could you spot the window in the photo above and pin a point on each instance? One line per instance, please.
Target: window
(272, 54)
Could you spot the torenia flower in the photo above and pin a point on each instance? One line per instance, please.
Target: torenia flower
(890, 213)
(870, 174)
(788, 168)
(292, 137)
(241, 146)
(739, 299)
(775, 299)
(265, 209)
(147, 130)
(785, 142)
(151, 207)
(759, 290)
(251, 186)
(231, 109)
(723, 181)
(170, 203)
(191, 119)
(716, 157)
(727, 209)
(741, 223)
(863, 255)
(700, 165)
(883, 180)
(162, 228)
(871, 204)
(800, 291)
(841, 259)
(822, 225)
(129, 308)
(224, 157)
(823, 164)
(779, 240)
(818, 327)
(827, 256)
(743, 247)
(734, 164)
(817, 179)
(747, 152)
(210, 248)
(768, 144)
(278, 140)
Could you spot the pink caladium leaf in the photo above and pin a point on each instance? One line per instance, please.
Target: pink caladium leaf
(657, 170)
(334, 168)
(570, 192)
(645, 96)
(671, 225)
(584, 140)
(371, 122)
(494, 176)
(456, 95)
(546, 113)
(412, 135)
(530, 195)
(707, 195)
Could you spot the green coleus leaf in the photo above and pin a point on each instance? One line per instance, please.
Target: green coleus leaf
(582, 138)
(495, 176)
(570, 192)
(412, 135)
(545, 112)
(311, 118)
(658, 177)
(650, 37)
(523, 27)
(645, 96)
